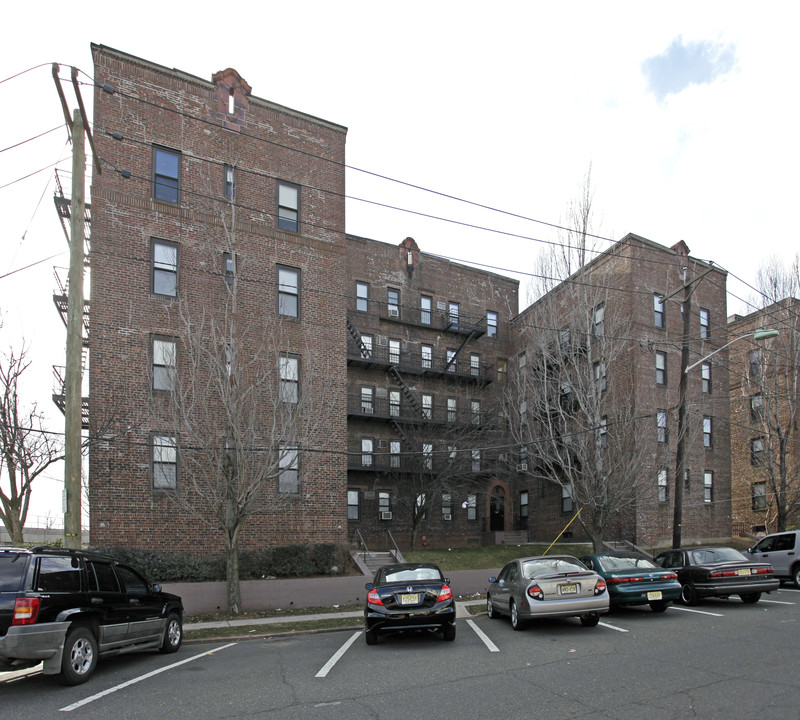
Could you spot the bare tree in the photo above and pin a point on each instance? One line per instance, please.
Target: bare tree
(27, 449)
(572, 406)
(245, 418)
(774, 386)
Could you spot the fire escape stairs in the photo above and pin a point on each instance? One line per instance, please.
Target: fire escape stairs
(408, 393)
(356, 335)
(453, 359)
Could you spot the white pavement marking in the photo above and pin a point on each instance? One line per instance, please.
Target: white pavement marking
(612, 627)
(777, 602)
(328, 666)
(482, 635)
(699, 612)
(114, 689)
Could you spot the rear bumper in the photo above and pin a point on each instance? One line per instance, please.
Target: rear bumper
(570, 607)
(33, 642)
(745, 587)
(376, 621)
(638, 595)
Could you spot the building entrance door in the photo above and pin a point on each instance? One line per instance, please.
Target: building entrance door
(497, 510)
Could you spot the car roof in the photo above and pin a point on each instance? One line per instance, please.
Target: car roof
(546, 557)
(408, 566)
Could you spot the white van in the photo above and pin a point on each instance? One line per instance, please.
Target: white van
(782, 550)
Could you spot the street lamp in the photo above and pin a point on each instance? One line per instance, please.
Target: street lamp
(677, 519)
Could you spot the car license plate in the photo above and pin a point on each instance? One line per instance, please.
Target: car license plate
(568, 589)
(654, 595)
(409, 599)
(743, 571)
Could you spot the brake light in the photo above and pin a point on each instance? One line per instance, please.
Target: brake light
(445, 593)
(600, 587)
(373, 598)
(763, 571)
(624, 579)
(670, 576)
(26, 610)
(535, 592)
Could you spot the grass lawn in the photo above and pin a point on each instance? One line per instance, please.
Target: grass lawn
(492, 557)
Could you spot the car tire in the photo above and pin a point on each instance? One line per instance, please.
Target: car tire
(490, 611)
(449, 632)
(173, 634)
(796, 575)
(516, 621)
(371, 637)
(688, 594)
(659, 606)
(750, 598)
(590, 620)
(79, 658)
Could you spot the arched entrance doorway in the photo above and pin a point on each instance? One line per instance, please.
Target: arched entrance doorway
(497, 509)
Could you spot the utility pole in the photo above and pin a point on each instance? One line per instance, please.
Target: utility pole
(680, 464)
(73, 379)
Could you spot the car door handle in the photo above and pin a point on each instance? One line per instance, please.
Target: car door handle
(96, 601)
(791, 552)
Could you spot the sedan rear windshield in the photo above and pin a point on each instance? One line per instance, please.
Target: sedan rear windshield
(626, 562)
(12, 568)
(551, 565)
(717, 555)
(407, 575)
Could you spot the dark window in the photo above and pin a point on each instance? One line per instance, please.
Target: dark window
(427, 356)
(229, 185)
(394, 351)
(362, 297)
(165, 462)
(756, 407)
(288, 206)
(58, 574)
(705, 326)
(707, 438)
(367, 446)
(289, 462)
(288, 291)
(661, 367)
(289, 370)
(757, 451)
(755, 364)
(658, 310)
(502, 370)
(474, 365)
(472, 507)
(661, 425)
(708, 486)
(599, 320)
(523, 504)
(164, 352)
(491, 324)
(393, 302)
(134, 583)
(228, 268)
(164, 259)
(102, 577)
(367, 399)
(425, 305)
(663, 490)
(427, 407)
(705, 373)
(759, 496)
(600, 376)
(566, 499)
(352, 504)
(166, 174)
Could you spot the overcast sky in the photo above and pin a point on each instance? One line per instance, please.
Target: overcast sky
(687, 113)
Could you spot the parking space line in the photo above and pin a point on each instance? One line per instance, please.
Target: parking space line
(777, 602)
(613, 627)
(328, 666)
(483, 636)
(699, 612)
(114, 689)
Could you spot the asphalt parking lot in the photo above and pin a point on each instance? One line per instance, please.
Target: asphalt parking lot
(720, 659)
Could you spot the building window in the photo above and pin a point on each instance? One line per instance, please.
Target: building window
(475, 410)
(352, 504)
(288, 206)
(705, 374)
(425, 307)
(394, 403)
(603, 431)
(166, 174)
(289, 369)
(452, 409)
(394, 454)
(394, 351)
(288, 291)
(687, 480)
(164, 257)
(707, 439)
(756, 407)
(599, 319)
(393, 302)
(288, 479)
(708, 486)
(474, 365)
(165, 462)
(427, 356)
(420, 506)
(476, 461)
(452, 313)
(427, 456)
(663, 489)
(451, 360)
(228, 269)
(229, 186)
(705, 325)
(661, 367)
(366, 346)
(502, 370)
(427, 407)
(759, 496)
(523, 504)
(383, 506)
(491, 324)
(757, 451)
(566, 499)
(164, 352)
(658, 310)
(367, 400)
(661, 426)
(362, 297)
(755, 364)
(600, 380)
(366, 452)
(447, 506)
(472, 507)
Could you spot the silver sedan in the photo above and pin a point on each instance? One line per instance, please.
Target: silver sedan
(547, 586)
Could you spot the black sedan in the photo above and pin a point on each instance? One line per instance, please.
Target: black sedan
(633, 579)
(410, 596)
(718, 572)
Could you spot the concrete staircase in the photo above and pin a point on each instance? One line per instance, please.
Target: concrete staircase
(369, 562)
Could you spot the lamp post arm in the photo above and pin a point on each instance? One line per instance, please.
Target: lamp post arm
(758, 335)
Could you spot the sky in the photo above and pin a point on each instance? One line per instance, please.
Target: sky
(686, 113)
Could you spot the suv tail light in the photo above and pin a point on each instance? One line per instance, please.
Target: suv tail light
(26, 610)
(445, 593)
(600, 587)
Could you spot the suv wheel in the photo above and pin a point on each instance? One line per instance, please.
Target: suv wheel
(796, 575)
(80, 656)
(173, 634)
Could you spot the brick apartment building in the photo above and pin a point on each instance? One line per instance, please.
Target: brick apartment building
(765, 448)
(217, 209)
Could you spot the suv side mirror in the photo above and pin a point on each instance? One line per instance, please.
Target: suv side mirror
(156, 588)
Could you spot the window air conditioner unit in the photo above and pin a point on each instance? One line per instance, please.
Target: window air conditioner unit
(522, 467)
(447, 516)
(382, 341)
(394, 312)
(386, 516)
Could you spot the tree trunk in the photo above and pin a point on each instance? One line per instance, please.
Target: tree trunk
(232, 571)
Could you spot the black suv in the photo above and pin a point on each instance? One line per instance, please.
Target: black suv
(67, 607)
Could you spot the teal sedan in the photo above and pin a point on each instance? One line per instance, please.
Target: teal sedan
(633, 579)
